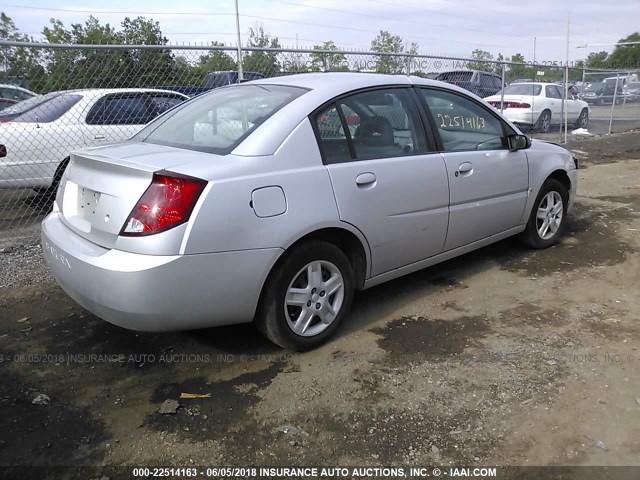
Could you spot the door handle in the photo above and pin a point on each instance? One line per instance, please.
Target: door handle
(99, 137)
(465, 167)
(366, 180)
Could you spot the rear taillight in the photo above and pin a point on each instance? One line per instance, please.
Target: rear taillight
(511, 104)
(167, 203)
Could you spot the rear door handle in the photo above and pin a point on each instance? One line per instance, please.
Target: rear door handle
(365, 180)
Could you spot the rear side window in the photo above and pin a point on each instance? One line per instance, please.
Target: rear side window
(379, 124)
(453, 77)
(50, 110)
(162, 103)
(217, 122)
(120, 110)
(552, 91)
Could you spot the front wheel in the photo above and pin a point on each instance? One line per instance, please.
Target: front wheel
(583, 119)
(306, 296)
(548, 216)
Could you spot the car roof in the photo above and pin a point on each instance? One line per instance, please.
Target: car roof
(22, 89)
(335, 83)
(90, 92)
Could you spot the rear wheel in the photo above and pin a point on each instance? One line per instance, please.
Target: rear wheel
(544, 122)
(50, 192)
(548, 216)
(306, 296)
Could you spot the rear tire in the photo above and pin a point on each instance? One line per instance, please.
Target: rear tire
(544, 122)
(548, 216)
(50, 192)
(306, 296)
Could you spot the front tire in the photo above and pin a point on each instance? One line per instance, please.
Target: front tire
(306, 296)
(548, 216)
(583, 119)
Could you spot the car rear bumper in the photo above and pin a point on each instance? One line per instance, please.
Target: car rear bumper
(521, 116)
(156, 293)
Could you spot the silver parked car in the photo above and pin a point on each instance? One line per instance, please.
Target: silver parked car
(245, 204)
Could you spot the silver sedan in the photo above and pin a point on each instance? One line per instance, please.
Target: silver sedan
(274, 200)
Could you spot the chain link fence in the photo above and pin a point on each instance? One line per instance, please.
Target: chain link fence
(73, 96)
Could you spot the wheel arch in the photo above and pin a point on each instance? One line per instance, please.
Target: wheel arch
(351, 243)
(562, 177)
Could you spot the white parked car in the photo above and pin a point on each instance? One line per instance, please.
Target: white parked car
(539, 105)
(37, 142)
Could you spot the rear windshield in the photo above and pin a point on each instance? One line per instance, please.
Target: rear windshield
(50, 110)
(29, 103)
(455, 76)
(217, 122)
(522, 89)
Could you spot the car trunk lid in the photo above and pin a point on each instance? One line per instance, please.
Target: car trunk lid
(102, 185)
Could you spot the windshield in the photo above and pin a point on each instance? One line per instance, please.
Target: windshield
(595, 87)
(49, 110)
(522, 89)
(217, 122)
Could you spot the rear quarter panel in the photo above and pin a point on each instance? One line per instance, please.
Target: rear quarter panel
(226, 219)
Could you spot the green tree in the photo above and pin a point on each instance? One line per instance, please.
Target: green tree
(82, 68)
(19, 65)
(261, 61)
(498, 65)
(217, 60)
(389, 44)
(328, 62)
(521, 70)
(626, 56)
(597, 60)
(146, 67)
(482, 60)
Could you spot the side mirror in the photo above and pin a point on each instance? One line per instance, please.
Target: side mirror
(518, 142)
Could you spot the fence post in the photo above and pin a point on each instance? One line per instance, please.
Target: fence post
(240, 72)
(613, 102)
(504, 73)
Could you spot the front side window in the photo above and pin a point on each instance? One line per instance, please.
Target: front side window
(462, 123)
(379, 124)
(50, 110)
(218, 121)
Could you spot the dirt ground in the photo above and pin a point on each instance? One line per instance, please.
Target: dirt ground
(505, 356)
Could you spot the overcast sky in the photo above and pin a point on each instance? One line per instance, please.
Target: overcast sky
(440, 27)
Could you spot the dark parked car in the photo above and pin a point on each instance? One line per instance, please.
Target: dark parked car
(483, 84)
(602, 92)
